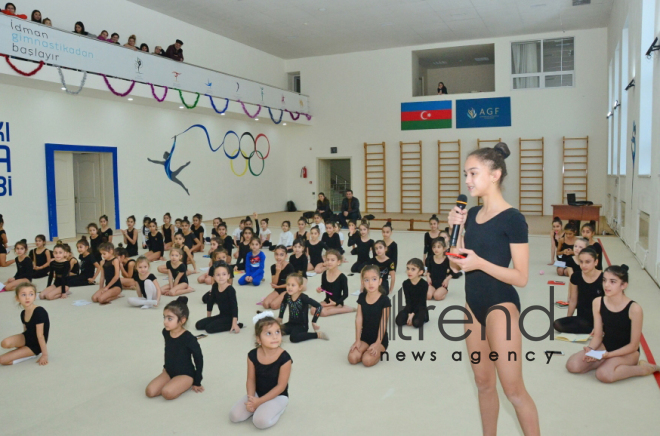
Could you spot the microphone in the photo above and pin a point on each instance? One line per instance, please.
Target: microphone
(461, 202)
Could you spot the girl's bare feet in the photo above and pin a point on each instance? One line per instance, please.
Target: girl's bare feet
(651, 368)
(323, 336)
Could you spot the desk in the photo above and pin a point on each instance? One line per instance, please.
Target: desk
(581, 213)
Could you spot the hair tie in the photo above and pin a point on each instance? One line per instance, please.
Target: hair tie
(262, 315)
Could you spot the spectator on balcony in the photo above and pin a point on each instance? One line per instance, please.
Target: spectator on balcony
(159, 51)
(350, 209)
(10, 9)
(36, 16)
(114, 38)
(104, 36)
(175, 51)
(323, 207)
(131, 43)
(79, 28)
(144, 47)
(47, 22)
(442, 89)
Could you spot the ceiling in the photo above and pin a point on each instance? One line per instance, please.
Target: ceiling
(462, 56)
(293, 29)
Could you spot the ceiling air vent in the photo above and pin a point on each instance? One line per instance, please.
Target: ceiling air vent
(581, 2)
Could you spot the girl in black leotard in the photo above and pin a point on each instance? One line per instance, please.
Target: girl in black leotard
(392, 249)
(438, 271)
(23, 267)
(495, 235)
(88, 266)
(334, 285)
(40, 258)
(555, 236)
(57, 286)
(243, 248)
(198, 229)
(431, 235)
(302, 232)
(3, 243)
(565, 247)
(298, 304)
(109, 285)
(279, 271)
(588, 231)
(126, 268)
(226, 241)
(105, 231)
(94, 241)
(131, 236)
(298, 259)
(385, 265)
(155, 243)
(176, 273)
(617, 331)
(32, 341)
(315, 252)
(364, 248)
(167, 229)
(189, 238)
(415, 289)
(188, 258)
(74, 267)
(224, 295)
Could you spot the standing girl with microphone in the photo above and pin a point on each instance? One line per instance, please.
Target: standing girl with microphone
(494, 235)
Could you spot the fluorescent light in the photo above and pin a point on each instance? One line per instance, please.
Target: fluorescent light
(130, 99)
(63, 89)
(180, 107)
(284, 124)
(256, 119)
(223, 114)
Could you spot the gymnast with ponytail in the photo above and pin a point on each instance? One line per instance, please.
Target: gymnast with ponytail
(495, 235)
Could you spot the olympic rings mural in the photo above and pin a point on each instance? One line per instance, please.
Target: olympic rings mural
(246, 152)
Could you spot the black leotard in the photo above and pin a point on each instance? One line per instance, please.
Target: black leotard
(75, 267)
(392, 252)
(175, 271)
(570, 263)
(106, 234)
(3, 249)
(332, 242)
(131, 248)
(338, 288)
(87, 270)
(243, 250)
(140, 282)
(39, 260)
(299, 264)
(385, 268)
(415, 296)
(155, 243)
(24, 269)
(60, 272)
(564, 246)
(109, 273)
(177, 356)
(302, 237)
(267, 376)
(225, 300)
(281, 280)
(427, 243)
(587, 293)
(372, 318)
(94, 247)
(315, 252)
(490, 241)
(167, 234)
(298, 325)
(617, 326)
(189, 240)
(126, 265)
(197, 231)
(217, 264)
(364, 250)
(352, 239)
(438, 271)
(228, 244)
(39, 316)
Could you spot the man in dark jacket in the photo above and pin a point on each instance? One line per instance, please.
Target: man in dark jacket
(350, 209)
(175, 51)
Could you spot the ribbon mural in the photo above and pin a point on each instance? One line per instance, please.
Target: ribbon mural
(46, 45)
(242, 150)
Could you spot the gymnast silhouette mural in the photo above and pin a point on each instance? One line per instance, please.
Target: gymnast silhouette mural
(172, 175)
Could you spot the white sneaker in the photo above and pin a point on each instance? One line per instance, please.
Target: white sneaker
(145, 307)
(310, 274)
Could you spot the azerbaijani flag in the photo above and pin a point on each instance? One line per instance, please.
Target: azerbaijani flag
(426, 115)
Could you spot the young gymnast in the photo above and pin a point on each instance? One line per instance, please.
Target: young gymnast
(216, 222)
(269, 369)
(88, 266)
(431, 235)
(299, 305)
(215, 244)
(145, 230)
(24, 269)
(243, 248)
(438, 271)
(335, 286)
(105, 231)
(131, 237)
(444, 234)
(126, 268)
(36, 326)
(353, 236)
(238, 233)
(555, 236)
(94, 241)
(265, 233)
(415, 289)
(207, 277)
(565, 249)
(155, 243)
(392, 250)
(74, 267)
(298, 259)
(315, 252)
(588, 231)
(617, 331)
(168, 231)
(58, 276)
(110, 275)
(177, 279)
(3, 243)
(226, 242)
(373, 313)
(224, 295)
(318, 221)
(586, 285)
(286, 237)
(198, 230)
(331, 239)
(189, 237)
(364, 247)
(495, 235)
(301, 233)
(187, 259)
(337, 226)
(40, 258)
(146, 285)
(254, 262)
(181, 349)
(279, 271)
(385, 265)
(573, 262)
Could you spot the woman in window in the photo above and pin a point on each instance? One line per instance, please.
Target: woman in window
(442, 89)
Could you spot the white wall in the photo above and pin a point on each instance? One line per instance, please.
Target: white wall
(460, 80)
(646, 191)
(357, 99)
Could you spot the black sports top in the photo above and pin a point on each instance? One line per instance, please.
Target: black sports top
(490, 241)
(372, 318)
(303, 237)
(392, 252)
(587, 293)
(427, 242)
(167, 234)
(352, 239)
(189, 239)
(243, 250)
(155, 243)
(299, 264)
(267, 376)
(87, 268)
(131, 248)
(109, 273)
(281, 280)
(59, 271)
(175, 271)
(299, 309)
(228, 244)
(563, 247)
(331, 242)
(94, 247)
(24, 269)
(125, 268)
(140, 282)
(315, 252)
(385, 268)
(178, 352)
(338, 288)
(38, 259)
(3, 249)
(364, 250)
(226, 301)
(415, 295)
(439, 271)
(570, 263)
(39, 316)
(617, 326)
(105, 234)
(75, 267)
(197, 231)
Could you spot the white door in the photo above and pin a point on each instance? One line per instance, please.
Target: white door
(324, 178)
(87, 182)
(64, 195)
